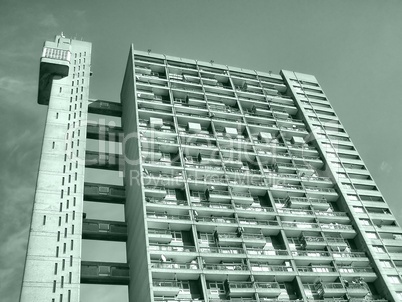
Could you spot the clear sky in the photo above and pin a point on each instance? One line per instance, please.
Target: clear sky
(352, 47)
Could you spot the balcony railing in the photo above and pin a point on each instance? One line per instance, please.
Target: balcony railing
(168, 216)
(316, 269)
(265, 267)
(318, 189)
(336, 226)
(165, 201)
(215, 219)
(299, 224)
(351, 269)
(226, 267)
(258, 252)
(300, 253)
(171, 248)
(213, 205)
(221, 250)
(254, 208)
(253, 221)
(174, 265)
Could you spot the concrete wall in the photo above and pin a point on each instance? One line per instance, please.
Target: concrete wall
(138, 258)
(55, 233)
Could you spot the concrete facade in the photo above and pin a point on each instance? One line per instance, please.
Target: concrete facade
(52, 268)
(237, 185)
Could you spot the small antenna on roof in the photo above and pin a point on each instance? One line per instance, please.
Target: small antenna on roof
(149, 50)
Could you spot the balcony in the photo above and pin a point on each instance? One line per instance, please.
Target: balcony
(166, 287)
(143, 70)
(227, 238)
(318, 192)
(254, 239)
(336, 241)
(104, 193)
(165, 248)
(308, 256)
(163, 201)
(239, 289)
(193, 265)
(312, 243)
(104, 230)
(260, 267)
(232, 162)
(153, 191)
(212, 205)
(317, 269)
(217, 195)
(159, 216)
(356, 272)
(300, 225)
(267, 253)
(244, 198)
(152, 154)
(104, 273)
(222, 220)
(333, 290)
(268, 289)
(55, 62)
(220, 251)
(159, 236)
(235, 268)
(254, 208)
(351, 256)
(303, 202)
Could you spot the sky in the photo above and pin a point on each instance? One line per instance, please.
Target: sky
(352, 47)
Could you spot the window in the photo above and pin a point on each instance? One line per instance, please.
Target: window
(386, 264)
(358, 209)
(44, 219)
(371, 235)
(365, 222)
(379, 249)
(176, 236)
(394, 279)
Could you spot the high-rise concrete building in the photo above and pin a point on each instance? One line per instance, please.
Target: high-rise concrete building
(237, 185)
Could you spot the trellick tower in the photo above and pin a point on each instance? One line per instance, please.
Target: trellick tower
(237, 185)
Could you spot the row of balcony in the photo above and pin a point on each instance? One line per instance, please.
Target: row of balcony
(272, 120)
(190, 71)
(210, 86)
(118, 273)
(243, 200)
